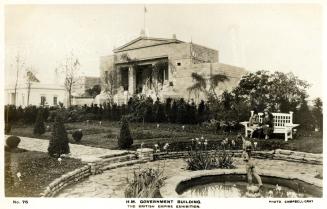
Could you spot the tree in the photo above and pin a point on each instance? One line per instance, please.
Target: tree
(70, 69)
(206, 86)
(303, 116)
(110, 84)
(19, 67)
(30, 79)
(173, 112)
(125, 139)
(39, 127)
(159, 112)
(58, 143)
(282, 92)
(318, 112)
(94, 91)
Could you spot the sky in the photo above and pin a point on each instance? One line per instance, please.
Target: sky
(273, 37)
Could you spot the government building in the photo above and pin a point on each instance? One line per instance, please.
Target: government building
(159, 67)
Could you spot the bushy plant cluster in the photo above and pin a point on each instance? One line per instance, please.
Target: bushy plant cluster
(125, 139)
(145, 183)
(279, 91)
(77, 135)
(12, 142)
(58, 143)
(200, 157)
(39, 127)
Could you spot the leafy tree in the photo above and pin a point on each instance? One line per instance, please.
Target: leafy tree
(318, 113)
(39, 127)
(280, 91)
(125, 139)
(303, 116)
(58, 143)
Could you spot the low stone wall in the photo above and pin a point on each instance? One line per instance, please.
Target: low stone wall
(65, 180)
(278, 154)
(94, 166)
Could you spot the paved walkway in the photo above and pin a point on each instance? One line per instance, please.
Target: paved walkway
(112, 183)
(77, 151)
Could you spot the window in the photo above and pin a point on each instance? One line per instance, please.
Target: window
(179, 64)
(55, 100)
(43, 100)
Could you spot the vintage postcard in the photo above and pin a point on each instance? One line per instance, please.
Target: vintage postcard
(163, 104)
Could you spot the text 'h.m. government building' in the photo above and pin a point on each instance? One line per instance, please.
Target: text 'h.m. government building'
(161, 68)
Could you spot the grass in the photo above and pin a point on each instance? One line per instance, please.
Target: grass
(37, 170)
(105, 136)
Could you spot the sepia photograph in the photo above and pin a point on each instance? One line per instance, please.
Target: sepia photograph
(166, 103)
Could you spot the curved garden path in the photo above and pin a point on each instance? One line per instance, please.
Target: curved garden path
(77, 151)
(112, 183)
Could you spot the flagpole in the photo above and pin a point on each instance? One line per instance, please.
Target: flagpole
(144, 11)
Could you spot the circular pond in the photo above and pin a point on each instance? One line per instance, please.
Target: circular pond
(233, 183)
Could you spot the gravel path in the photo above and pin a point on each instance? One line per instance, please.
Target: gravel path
(77, 151)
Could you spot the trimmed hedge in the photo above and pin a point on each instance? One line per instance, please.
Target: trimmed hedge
(12, 142)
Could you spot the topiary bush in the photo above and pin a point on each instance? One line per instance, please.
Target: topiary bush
(125, 139)
(39, 127)
(7, 128)
(58, 143)
(12, 142)
(77, 135)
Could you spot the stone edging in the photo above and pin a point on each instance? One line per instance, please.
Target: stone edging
(67, 179)
(170, 186)
(278, 154)
(95, 166)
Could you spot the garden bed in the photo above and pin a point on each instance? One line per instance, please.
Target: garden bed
(105, 136)
(37, 170)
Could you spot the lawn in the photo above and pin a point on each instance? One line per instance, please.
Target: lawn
(37, 171)
(105, 136)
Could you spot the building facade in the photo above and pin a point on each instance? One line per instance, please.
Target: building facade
(161, 68)
(39, 95)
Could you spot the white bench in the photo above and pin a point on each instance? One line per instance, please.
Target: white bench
(283, 124)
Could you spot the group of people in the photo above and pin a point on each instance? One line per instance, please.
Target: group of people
(265, 127)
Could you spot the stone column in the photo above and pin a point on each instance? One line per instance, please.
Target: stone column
(131, 80)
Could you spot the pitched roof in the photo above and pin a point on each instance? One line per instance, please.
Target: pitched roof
(142, 42)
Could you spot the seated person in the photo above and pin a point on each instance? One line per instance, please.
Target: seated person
(267, 123)
(254, 123)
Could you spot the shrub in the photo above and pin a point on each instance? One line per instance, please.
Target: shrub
(77, 135)
(145, 184)
(58, 143)
(39, 127)
(200, 158)
(12, 142)
(125, 139)
(7, 128)
(225, 159)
